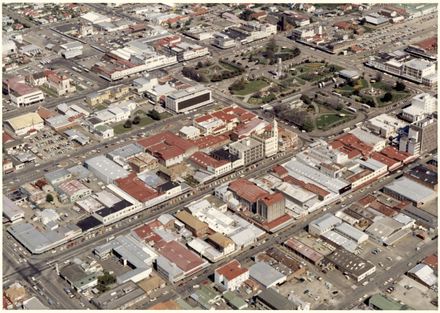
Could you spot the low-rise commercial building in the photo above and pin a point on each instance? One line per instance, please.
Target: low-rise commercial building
(407, 189)
(351, 264)
(231, 275)
(266, 275)
(121, 297)
(26, 123)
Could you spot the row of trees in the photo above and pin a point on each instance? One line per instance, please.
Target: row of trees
(299, 117)
(193, 74)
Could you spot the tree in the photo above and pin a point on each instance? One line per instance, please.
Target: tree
(305, 98)
(127, 124)
(308, 124)
(387, 97)
(199, 64)
(105, 280)
(378, 76)
(49, 198)
(136, 119)
(246, 15)
(400, 86)
(154, 115)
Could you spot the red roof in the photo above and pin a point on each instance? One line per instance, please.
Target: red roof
(365, 201)
(273, 198)
(231, 270)
(247, 190)
(343, 25)
(19, 87)
(351, 141)
(277, 222)
(147, 234)
(384, 159)
(210, 141)
(136, 188)
(183, 258)
(393, 153)
(307, 186)
(382, 208)
(204, 160)
(304, 250)
(431, 260)
(166, 145)
(45, 113)
(280, 171)
(7, 137)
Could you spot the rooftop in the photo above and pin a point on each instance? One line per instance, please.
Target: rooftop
(136, 188)
(410, 189)
(183, 258)
(231, 270)
(265, 274)
(247, 190)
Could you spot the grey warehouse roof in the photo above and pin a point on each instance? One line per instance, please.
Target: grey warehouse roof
(265, 274)
(410, 189)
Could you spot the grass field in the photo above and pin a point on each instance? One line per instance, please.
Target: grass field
(120, 129)
(251, 87)
(325, 121)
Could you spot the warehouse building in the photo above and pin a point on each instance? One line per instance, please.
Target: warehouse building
(270, 299)
(323, 224)
(351, 264)
(266, 275)
(407, 189)
(105, 169)
(121, 297)
(11, 211)
(352, 233)
(23, 124)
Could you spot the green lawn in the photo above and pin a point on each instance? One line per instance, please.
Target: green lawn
(100, 107)
(120, 129)
(165, 115)
(49, 91)
(255, 101)
(381, 85)
(325, 121)
(397, 96)
(251, 87)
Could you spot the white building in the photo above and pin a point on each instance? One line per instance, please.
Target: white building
(22, 124)
(324, 224)
(231, 275)
(189, 132)
(385, 125)
(421, 105)
(22, 94)
(188, 99)
(71, 49)
(223, 41)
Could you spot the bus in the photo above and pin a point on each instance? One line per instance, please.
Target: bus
(76, 69)
(365, 106)
(352, 109)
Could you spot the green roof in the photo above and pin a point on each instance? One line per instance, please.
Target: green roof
(205, 296)
(383, 303)
(235, 301)
(183, 305)
(85, 280)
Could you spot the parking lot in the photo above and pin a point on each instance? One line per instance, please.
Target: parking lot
(415, 295)
(48, 144)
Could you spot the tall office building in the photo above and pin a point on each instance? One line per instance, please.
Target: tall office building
(421, 138)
